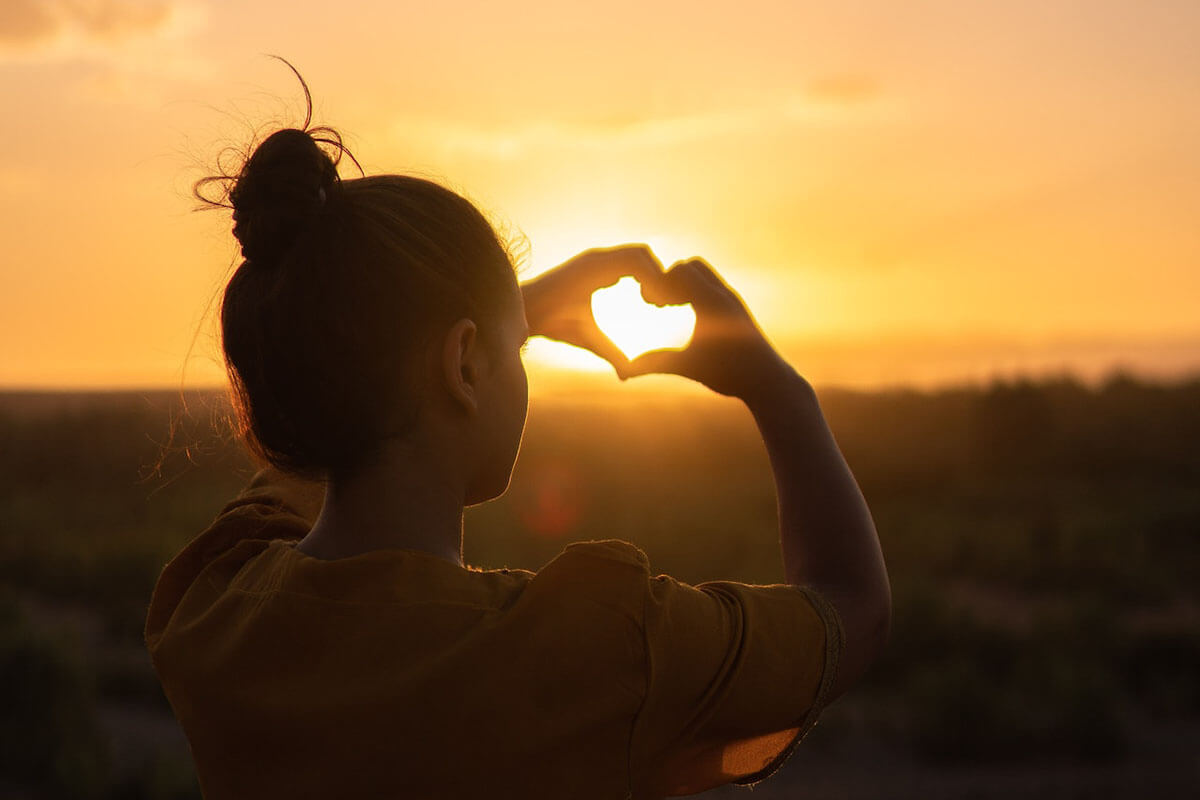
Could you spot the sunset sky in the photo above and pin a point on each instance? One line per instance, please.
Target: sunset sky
(916, 192)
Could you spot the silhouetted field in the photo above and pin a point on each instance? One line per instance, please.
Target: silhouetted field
(1043, 541)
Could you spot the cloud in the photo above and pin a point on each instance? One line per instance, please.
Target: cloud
(49, 30)
(26, 23)
(836, 100)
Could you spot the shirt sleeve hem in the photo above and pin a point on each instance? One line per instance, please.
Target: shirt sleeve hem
(834, 642)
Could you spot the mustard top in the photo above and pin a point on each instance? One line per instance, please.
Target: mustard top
(396, 673)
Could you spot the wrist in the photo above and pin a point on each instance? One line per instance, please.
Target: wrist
(778, 385)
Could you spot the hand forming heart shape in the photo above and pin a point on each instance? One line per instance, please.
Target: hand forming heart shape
(559, 304)
(724, 349)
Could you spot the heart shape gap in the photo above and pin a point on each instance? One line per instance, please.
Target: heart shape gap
(637, 327)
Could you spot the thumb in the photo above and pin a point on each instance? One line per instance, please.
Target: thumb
(595, 340)
(656, 361)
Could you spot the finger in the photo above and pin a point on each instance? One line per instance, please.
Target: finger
(707, 272)
(595, 341)
(673, 288)
(657, 361)
(609, 264)
(712, 291)
(701, 272)
(684, 282)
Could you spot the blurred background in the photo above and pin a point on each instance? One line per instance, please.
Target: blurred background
(971, 226)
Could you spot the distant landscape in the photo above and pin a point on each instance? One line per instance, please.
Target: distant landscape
(1043, 539)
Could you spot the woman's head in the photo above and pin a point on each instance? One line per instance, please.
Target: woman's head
(334, 326)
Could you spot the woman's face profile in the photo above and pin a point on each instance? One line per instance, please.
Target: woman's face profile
(506, 404)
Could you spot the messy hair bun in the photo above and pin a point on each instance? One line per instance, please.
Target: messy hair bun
(281, 190)
(343, 285)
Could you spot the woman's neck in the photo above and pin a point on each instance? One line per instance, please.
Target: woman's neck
(405, 500)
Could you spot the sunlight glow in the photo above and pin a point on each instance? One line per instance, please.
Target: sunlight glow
(824, 183)
(541, 352)
(636, 326)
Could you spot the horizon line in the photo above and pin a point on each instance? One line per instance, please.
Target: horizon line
(600, 384)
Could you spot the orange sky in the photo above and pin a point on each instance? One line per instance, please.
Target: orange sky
(904, 192)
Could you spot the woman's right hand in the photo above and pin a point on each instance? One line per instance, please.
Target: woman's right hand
(728, 352)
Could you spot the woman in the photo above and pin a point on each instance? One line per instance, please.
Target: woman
(323, 638)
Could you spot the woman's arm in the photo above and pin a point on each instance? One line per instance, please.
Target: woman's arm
(827, 535)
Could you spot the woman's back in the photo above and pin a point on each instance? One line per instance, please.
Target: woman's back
(399, 673)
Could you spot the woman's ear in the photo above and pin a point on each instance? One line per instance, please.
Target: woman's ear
(461, 365)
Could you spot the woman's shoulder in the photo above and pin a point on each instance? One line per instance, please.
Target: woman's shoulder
(608, 573)
(617, 550)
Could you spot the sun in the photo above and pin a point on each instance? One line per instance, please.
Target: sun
(637, 327)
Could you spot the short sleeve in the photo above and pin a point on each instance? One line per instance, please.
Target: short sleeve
(737, 674)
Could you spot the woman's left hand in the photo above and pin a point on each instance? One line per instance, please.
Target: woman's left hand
(558, 303)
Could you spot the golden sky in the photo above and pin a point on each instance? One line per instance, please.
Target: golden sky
(914, 192)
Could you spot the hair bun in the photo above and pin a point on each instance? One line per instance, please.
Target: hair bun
(280, 190)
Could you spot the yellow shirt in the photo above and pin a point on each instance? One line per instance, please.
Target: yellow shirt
(397, 674)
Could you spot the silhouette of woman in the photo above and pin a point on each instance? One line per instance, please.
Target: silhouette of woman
(323, 638)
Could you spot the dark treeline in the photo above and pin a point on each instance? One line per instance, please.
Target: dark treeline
(1043, 539)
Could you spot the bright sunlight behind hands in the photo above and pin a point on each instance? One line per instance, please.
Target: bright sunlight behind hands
(637, 327)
